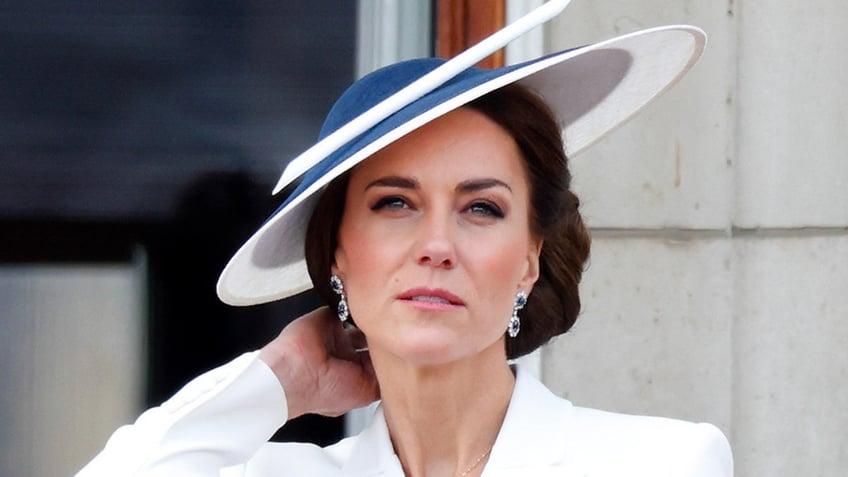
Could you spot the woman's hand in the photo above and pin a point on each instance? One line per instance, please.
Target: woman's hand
(316, 361)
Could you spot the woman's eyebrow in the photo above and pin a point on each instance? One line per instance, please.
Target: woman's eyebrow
(473, 185)
(394, 181)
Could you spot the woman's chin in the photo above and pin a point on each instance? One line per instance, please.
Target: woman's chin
(427, 351)
(429, 348)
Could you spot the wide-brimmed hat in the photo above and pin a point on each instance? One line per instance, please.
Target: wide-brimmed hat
(590, 89)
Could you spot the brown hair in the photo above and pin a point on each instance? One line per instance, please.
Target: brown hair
(553, 305)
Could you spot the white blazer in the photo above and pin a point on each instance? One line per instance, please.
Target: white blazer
(219, 424)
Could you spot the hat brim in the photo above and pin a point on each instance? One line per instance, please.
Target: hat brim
(591, 91)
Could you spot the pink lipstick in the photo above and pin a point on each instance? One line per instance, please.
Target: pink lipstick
(431, 299)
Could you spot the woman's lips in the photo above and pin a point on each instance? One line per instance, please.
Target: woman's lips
(431, 298)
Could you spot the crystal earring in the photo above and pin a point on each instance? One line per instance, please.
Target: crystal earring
(514, 321)
(338, 287)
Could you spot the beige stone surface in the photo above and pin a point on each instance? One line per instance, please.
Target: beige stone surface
(655, 334)
(750, 333)
(671, 166)
(792, 115)
(791, 356)
(743, 322)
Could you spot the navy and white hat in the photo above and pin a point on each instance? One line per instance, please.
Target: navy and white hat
(590, 89)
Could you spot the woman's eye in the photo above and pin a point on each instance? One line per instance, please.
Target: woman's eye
(391, 202)
(486, 209)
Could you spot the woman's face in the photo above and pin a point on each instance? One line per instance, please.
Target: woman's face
(435, 241)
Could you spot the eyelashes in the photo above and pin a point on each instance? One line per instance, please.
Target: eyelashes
(486, 208)
(482, 208)
(392, 202)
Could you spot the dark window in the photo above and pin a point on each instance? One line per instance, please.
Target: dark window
(164, 125)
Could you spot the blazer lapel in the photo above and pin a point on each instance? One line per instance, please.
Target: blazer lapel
(533, 439)
(373, 454)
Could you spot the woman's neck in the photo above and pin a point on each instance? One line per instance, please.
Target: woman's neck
(444, 419)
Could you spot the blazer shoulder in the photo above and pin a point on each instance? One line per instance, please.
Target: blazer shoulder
(650, 445)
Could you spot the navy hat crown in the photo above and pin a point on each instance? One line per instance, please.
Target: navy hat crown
(373, 88)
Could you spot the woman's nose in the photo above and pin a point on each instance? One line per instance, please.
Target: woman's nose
(435, 245)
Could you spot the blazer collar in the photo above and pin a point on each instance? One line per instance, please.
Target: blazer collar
(373, 453)
(533, 436)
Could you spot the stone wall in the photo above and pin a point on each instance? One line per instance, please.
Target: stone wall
(718, 287)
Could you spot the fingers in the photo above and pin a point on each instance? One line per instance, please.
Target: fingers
(324, 366)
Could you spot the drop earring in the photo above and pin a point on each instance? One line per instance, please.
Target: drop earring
(338, 287)
(514, 321)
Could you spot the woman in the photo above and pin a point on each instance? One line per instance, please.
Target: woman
(448, 234)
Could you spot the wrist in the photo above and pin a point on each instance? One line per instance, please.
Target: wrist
(284, 367)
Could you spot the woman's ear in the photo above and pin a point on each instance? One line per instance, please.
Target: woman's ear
(531, 273)
(337, 267)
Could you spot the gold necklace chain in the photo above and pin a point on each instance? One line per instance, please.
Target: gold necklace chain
(476, 462)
